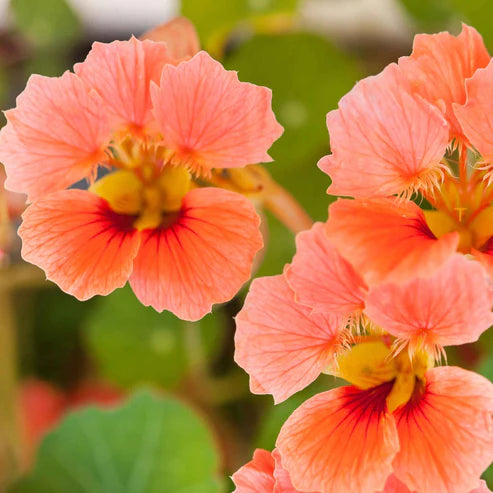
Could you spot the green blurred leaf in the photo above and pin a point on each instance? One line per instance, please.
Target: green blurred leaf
(431, 15)
(150, 445)
(477, 13)
(215, 18)
(133, 344)
(47, 22)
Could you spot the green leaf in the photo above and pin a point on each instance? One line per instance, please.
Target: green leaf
(132, 343)
(152, 444)
(47, 22)
(215, 18)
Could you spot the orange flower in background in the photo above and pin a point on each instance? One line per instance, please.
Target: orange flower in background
(423, 126)
(159, 128)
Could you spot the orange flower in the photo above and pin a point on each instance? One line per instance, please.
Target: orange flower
(160, 127)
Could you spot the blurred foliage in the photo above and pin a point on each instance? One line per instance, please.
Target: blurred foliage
(440, 15)
(215, 19)
(46, 23)
(151, 444)
(132, 343)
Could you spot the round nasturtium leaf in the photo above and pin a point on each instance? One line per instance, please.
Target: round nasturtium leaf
(152, 444)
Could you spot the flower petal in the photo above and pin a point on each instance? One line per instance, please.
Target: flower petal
(446, 434)
(201, 259)
(383, 140)
(394, 485)
(121, 72)
(475, 116)
(321, 278)
(387, 240)
(54, 137)
(257, 476)
(180, 36)
(210, 119)
(283, 481)
(340, 440)
(439, 66)
(486, 257)
(280, 343)
(80, 243)
(450, 307)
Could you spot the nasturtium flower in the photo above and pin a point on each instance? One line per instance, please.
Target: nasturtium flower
(160, 128)
(266, 474)
(422, 127)
(429, 426)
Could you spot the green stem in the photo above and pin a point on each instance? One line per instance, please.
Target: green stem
(10, 449)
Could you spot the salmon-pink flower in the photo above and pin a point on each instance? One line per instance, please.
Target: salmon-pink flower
(422, 126)
(161, 128)
(384, 340)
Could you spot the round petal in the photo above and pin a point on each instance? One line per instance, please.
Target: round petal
(283, 481)
(201, 259)
(450, 307)
(280, 343)
(387, 239)
(446, 434)
(80, 243)
(257, 476)
(121, 72)
(439, 66)
(180, 36)
(321, 278)
(340, 440)
(55, 136)
(210, 119)
(383, 140)
(475, 116)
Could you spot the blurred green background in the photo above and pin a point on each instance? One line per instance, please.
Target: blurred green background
(182, 418)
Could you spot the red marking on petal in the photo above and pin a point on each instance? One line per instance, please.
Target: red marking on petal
(446, 432)
(202, 258)
(341, 440)
(81, 244)
(387, 240)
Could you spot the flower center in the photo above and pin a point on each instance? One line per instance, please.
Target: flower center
(370, 364)
(145, 185)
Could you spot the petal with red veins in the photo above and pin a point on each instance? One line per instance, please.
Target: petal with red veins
(280, 343)
(203, 258)
(121, 72)
(384, 141)
(340, 440)
(387, 240)
(80, 243)
(446, 433)
(210, 119)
